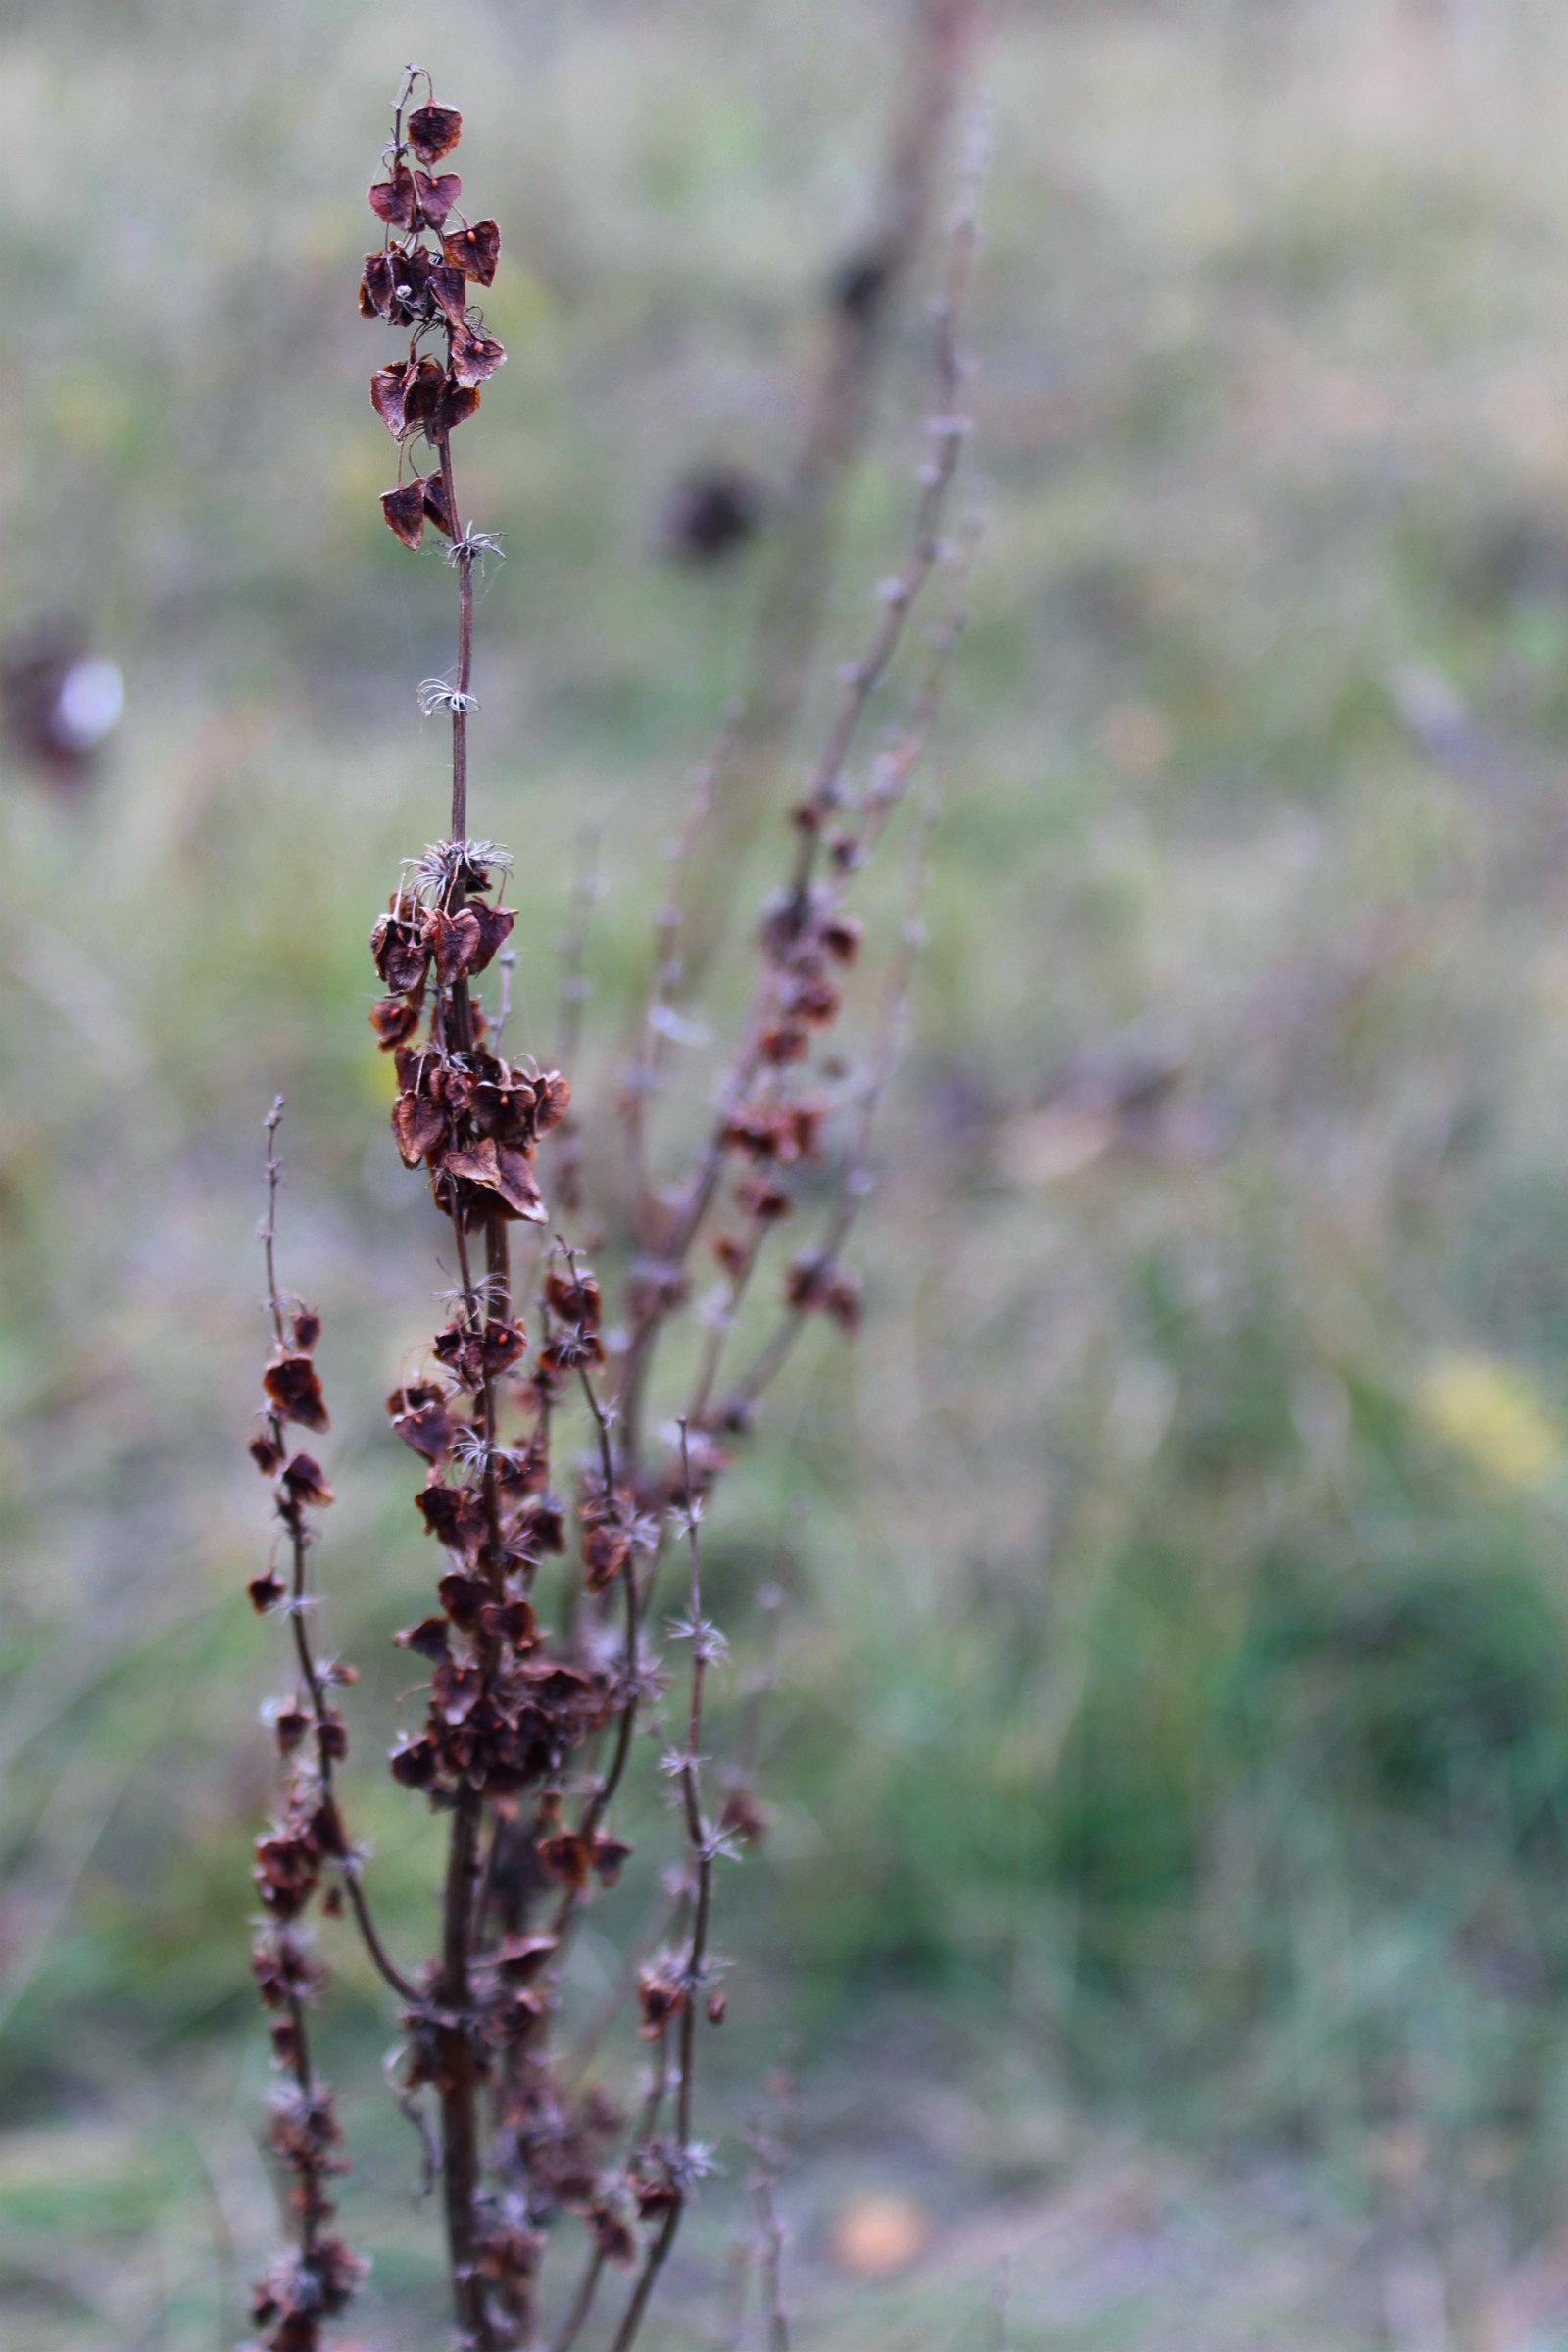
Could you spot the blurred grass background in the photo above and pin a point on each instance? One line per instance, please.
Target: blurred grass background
(1170, 1883)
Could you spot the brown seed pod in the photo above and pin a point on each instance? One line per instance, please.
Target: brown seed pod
(433, 131)
(437, 197)
(294, 1386)
(394, 200)
(404, 509)
(474, 251)
(476, 356)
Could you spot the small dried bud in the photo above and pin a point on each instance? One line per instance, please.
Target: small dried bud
(718, 2006)
(306, 1329)
(265, 1591)
(267, 1454)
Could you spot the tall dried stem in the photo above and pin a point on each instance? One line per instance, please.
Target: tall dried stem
(529, 1731)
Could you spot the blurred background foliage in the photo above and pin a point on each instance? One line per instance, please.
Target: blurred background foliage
(1170, 1747)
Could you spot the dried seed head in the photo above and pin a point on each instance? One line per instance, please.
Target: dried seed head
(437, 197)
(294, 1386)
(433, 131)
(394, 200)
(404, 509)
(474, 251)
(304, 1483)
(476, 356)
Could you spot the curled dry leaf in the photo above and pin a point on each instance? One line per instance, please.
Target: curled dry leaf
(294, 1386)
(433, 131)
(474, 250)
(404, 509)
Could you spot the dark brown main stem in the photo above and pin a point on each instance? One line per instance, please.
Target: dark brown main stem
(460, 705)
(459, 2089)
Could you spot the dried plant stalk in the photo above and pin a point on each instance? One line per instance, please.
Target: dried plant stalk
(863, 307)
(529, 1727)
